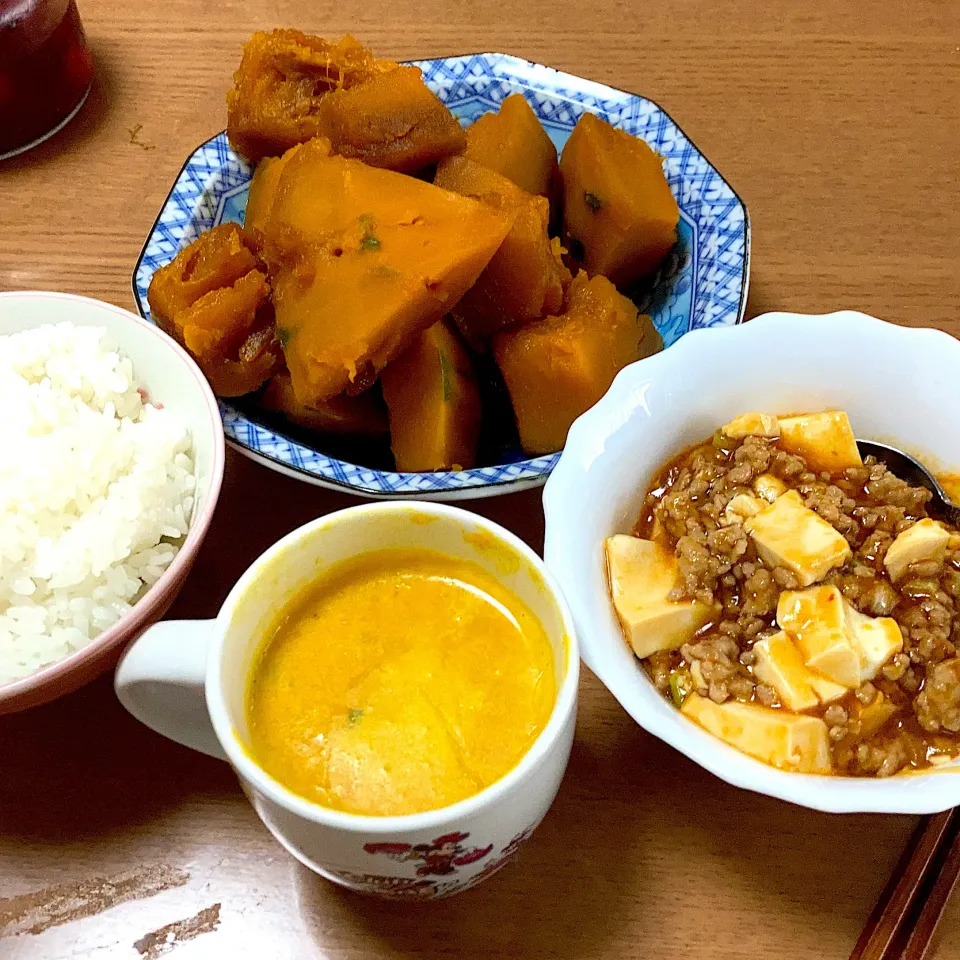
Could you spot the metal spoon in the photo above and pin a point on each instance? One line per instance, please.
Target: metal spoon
(941, 507)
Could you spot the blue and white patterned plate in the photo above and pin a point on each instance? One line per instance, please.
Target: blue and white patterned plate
(702, 284)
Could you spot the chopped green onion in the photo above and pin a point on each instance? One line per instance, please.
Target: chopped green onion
(680, 686)
(446, 384)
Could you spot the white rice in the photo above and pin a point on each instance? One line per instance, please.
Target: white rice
(96, 492)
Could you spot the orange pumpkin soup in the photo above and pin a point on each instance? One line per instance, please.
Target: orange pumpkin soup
(403, 680)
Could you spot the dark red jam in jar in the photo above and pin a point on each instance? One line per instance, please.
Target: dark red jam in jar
(45, 70)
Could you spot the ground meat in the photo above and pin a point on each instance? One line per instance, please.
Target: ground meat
(938, 704)
(897, 667)
(699, 571)
(659, 665)
(882, 758)
(719, 566)
(760, 593)
(765, 694)
(878, 598)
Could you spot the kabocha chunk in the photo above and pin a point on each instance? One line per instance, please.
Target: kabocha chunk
(263, 187)
(280, 84)
(258, 357)
(515, 145)
(526, 277)
(433, 404)
(392, 120)
(617, 203)
(363, 414)
(217, 258)
(291, 87)
(214, 299)
(362, 260)
(558, 367)
(214, 327)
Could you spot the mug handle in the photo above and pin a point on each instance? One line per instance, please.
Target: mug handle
(160, 680)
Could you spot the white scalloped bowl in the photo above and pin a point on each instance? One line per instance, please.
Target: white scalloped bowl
(899, 385)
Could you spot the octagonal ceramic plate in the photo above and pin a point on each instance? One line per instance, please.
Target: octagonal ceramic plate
(703, 282)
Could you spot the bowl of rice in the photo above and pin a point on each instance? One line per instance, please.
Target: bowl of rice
(111, 460)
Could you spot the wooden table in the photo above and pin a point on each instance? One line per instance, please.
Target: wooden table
(838, 124)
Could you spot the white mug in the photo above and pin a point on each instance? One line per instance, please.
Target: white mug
(187, 680)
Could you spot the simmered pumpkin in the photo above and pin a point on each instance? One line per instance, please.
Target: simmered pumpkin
(217, 258)
(362, 260)
(617, 204)
(263, 188)
(433, 404)
(213, 297)
(258, 357)
(280, 83)
(526, 277)
(393, 121)
(363, 414)
(558, 367)
(515, 145)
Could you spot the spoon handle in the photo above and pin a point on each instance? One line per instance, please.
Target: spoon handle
(947, 512)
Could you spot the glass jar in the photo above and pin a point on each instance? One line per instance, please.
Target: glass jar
(45, 70)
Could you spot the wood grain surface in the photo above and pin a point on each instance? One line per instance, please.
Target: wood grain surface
(839, 124)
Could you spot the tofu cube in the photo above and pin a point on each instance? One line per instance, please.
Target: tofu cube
(789, 741)
(752, 425)
(826, 690)
(824, 440)
(642, 574)
(789, 534)
(816, 620)
(780, 664)
(768, 487)
(834, 638)
(877, 639)
(741, 508)
(925, 540)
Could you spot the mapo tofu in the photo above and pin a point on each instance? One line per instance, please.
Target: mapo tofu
(828, 600)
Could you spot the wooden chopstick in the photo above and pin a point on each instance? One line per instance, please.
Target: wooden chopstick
(920, 944)
(918, 890)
